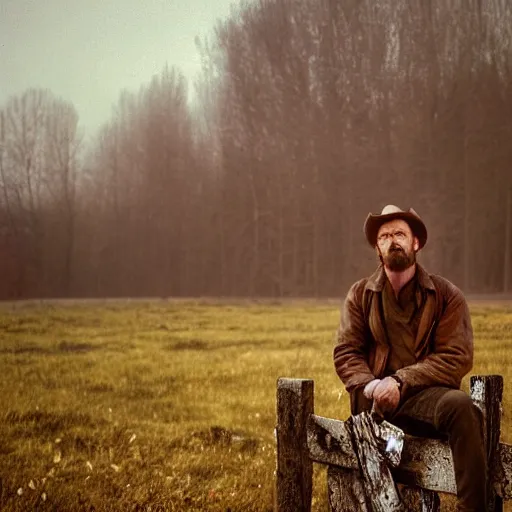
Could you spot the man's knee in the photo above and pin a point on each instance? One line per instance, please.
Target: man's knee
(456, 409)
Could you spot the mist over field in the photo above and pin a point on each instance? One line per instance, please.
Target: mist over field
(306, 115)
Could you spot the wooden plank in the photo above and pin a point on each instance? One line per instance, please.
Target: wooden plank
(329, 442)
(503, 472)
(487, 393)
(294, 480)
(425, 462)
(368, 439)
(420, 500)
(346, 491)
(373, 484)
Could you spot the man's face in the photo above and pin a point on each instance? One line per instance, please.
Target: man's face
(396, 245)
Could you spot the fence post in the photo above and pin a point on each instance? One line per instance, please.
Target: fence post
(487, 393)
(294, 476)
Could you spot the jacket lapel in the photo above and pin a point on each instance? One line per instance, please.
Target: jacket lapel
(427, 319)
(425, 325)
(375, 320)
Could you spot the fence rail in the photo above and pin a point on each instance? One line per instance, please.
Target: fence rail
(426, 466)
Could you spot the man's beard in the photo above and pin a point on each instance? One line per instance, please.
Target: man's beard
(398, 259)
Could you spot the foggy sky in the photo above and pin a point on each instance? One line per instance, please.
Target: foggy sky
(88, 51)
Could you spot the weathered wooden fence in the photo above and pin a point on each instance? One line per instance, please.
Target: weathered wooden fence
(426, 467)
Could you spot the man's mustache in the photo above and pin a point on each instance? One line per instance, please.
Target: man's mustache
(396, 248)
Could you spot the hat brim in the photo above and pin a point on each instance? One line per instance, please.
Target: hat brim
(374, 222)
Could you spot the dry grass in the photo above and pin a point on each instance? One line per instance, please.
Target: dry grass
(168, 405)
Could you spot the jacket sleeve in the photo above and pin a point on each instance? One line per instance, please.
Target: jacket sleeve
(351, 350)
(452, 355)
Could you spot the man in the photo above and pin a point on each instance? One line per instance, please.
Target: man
(404, 344)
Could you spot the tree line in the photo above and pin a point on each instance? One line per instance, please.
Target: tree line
(308, 114)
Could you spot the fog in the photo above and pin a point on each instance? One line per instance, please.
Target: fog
(305, 117)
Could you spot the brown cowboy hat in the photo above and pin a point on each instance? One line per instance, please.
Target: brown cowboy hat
(391, 212)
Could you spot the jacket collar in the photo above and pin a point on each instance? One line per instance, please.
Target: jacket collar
(377, 280)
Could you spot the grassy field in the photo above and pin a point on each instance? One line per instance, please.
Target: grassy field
(146, 406)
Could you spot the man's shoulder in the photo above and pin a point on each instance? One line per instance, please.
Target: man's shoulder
(446, 288)
(359, 293)
(373, 282)
(360, 284)
(359, 287)
(354, 295)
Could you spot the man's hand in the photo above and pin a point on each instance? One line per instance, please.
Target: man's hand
(370, 388)
(387, 395)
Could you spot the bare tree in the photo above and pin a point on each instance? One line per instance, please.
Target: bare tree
(308, 115)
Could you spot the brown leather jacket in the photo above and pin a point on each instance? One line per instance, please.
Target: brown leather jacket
(444, 343)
